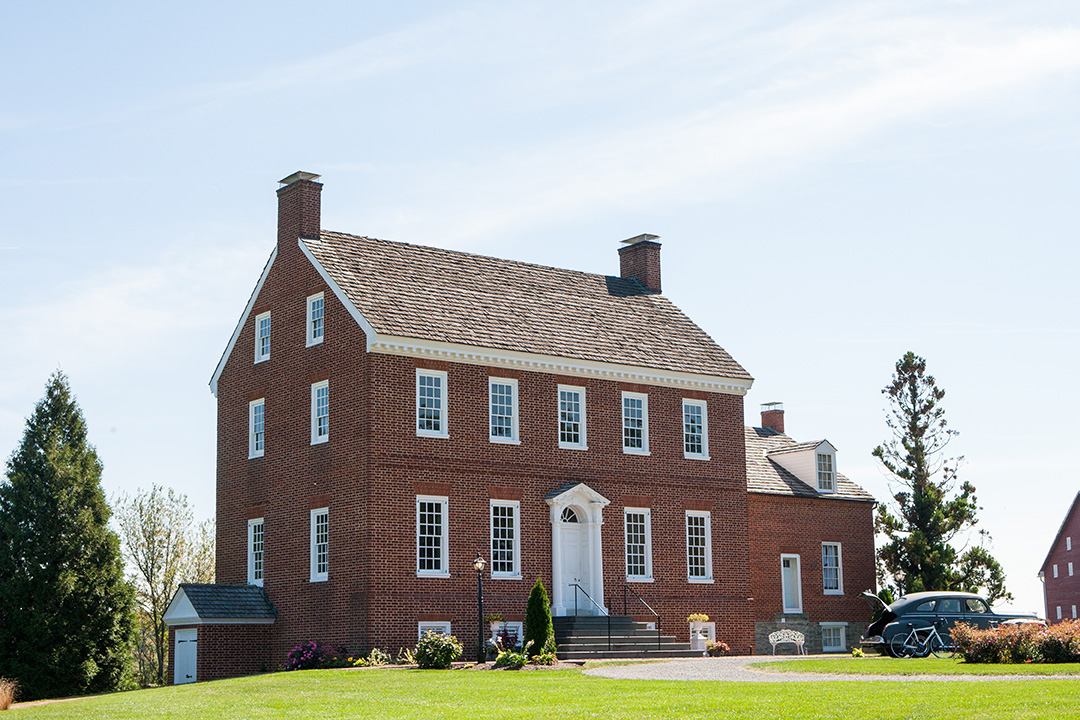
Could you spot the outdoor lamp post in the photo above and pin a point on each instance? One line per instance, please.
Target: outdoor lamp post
(478, 565)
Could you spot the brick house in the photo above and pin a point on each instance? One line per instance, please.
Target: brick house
(386, 411)
(1060, 571)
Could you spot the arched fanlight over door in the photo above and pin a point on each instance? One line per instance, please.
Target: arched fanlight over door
(568, 515)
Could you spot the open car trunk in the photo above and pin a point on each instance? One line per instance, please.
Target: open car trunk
(882, 615)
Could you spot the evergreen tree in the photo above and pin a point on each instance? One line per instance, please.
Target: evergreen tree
(66, 613)
(928, 515)
(538, 625)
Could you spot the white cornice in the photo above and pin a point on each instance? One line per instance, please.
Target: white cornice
(369, 331)
(471, 355)
(243, 321)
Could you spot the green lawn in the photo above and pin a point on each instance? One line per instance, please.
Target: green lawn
(913, 666)
(544, 695)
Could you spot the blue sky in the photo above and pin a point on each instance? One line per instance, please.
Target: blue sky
(834, 184)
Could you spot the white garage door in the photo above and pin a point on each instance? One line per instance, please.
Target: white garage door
(185, 656)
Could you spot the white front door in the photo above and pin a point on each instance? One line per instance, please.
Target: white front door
(185, 656)
(791, 583)
(575, 568)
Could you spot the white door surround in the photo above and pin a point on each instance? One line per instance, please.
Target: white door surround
(576, 515)
(186, 656)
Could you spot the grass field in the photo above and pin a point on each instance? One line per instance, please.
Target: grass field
(544, 695)
(914, 666)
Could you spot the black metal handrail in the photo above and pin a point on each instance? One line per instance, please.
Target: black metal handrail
(647, 607)
(578, 588)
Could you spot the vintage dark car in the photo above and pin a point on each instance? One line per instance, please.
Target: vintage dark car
(923, 609)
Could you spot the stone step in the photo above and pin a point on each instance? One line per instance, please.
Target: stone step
(603, 654)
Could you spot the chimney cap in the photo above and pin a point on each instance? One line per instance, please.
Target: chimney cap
(298, 176)
(766, 407)
(646, 237)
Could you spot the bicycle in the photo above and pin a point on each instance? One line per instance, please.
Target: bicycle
(921, 641)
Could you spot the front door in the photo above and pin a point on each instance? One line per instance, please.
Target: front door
(791, 583)
(185, 656)
(575, 565)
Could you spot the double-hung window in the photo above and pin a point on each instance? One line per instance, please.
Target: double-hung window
(255, 552)
(637, 524)
(699, 546)
(832, 579)
(315, 309)
(431, 403)
(431, 543)
(262, 337)
(320, 544)
(505, 540)
(572, 417)
(635, 423)
(695, 429)
(320, 412)
(826, 478)
(503, 410)
(256, 428)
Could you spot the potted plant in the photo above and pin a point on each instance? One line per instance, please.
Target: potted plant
(698, 635)
(495, 620)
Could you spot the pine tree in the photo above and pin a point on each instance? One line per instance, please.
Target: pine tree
(538, 625)
(920, 553)
(66, 613)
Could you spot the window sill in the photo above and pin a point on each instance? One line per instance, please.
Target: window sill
(254, 457)
(834, 592)
(428, 433)
(640, 580)
(696, 457)
(564, 446)
(505, 577)
(792, 611)
(700, 581)
(313, 343)
(256, 583)
(262, 359)
(321, 579)
(430, 574)
(504, 441)
(321, 441)
(636, 452)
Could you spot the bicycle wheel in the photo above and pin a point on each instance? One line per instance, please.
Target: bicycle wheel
(943, 647)
(902, 645)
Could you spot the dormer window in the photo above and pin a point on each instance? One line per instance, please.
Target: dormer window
(826, 476)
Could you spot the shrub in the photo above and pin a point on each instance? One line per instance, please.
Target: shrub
(857, 653)
(716, 649)
(312, 655)
(378, 657)
(437, 651)
(9, 690)
(405, 656)
(1018, 643)
(544, 658)
(538, 626)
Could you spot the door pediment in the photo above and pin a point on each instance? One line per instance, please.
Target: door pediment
(578, 495)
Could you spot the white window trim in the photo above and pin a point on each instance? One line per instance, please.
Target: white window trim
(1074, 611)
(251, 552)
(445, 570)
(315, 438)
(708, 547)
(317, 576)
(1058, 612)
(1070, 570)
(648, 576)
(644, 449)
(798, 583)
(583, 444)
(842, 647)
(444, 414)
(1068, 543)
(252, 452)
(259, 355)
(310, 340)
(704, 429)
(515, 627)
(839, 569)
(1055, 570)
(513, 439)
(832, 472)
(516, 574)
(440, 626)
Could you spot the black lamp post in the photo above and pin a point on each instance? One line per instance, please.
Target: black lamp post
(478, 565)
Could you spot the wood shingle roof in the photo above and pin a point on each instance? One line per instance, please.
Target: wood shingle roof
(765, 476)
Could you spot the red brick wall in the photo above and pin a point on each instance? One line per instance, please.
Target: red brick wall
(1064, 590)
(782, 524)
(226, 651)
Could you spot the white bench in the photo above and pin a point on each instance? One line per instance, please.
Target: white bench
(789, 636)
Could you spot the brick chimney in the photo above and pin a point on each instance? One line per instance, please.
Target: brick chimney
(772, 416)
(640, 259)
(299, 208)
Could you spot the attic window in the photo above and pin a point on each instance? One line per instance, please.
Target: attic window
(826, 478)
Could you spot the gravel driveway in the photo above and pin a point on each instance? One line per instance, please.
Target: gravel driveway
(740, 669)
